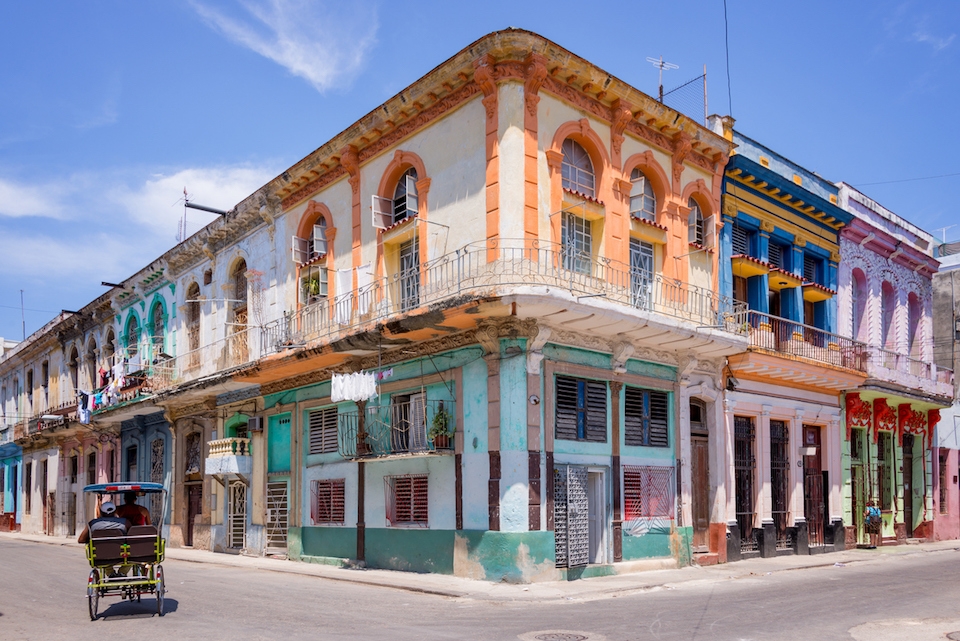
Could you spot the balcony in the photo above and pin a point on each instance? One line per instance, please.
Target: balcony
(912, 373)
(414, 427)
(229, 456)
(498, 268)
(240, 348)
(796, 353)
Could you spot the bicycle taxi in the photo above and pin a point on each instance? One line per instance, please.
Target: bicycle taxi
(128, 565)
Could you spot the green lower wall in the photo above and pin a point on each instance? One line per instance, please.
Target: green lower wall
(514, 557)
(646, 546)
(410, 550)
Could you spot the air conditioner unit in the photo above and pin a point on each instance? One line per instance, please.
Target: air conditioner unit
(255, 424)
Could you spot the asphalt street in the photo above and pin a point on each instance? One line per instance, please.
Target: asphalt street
(43, 596)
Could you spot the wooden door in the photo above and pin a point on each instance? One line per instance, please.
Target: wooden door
(194, 508)
(908, 483)
(700, 479)
(814, 507)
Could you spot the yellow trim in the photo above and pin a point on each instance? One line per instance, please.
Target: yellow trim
(745, 268)
(648, 233)
(787, 220)
(779, 280)
(815, 294)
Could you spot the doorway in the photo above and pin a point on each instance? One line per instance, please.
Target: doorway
(814, 507)
(580, 516)
(700, 476)
(908, 441)
(237, 514)
(277, 516)
(194, 508)
(596, 512)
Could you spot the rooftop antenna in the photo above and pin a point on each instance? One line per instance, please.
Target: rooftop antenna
(661, 65)
(943, 231)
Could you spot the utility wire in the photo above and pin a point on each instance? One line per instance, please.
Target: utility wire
(726, 40)
(907, 180)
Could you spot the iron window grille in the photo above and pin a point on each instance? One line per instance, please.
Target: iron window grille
(780, 479)
(745, 464)
(885, 469)
(648, 492)
(643, 202)
(576, 170)
(27, 486)
(74, 468)
(581, 410)
(943, 483)
(407, 500)
(646, 418)
(409, 276)
(329, 505)
(577, 243)
(641, 273)
(322, 425)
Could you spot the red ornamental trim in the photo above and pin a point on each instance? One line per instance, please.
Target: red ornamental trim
(884, 417)
(911, 421)
(859, 413)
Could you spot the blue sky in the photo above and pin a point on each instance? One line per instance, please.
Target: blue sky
(108, 109)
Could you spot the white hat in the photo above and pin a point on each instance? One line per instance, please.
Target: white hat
(108, 508)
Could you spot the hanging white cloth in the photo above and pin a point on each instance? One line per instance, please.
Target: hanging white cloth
(343, 298)
(359, 386)
(365, 288)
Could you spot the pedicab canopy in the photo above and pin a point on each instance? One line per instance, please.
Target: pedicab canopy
(110, 488)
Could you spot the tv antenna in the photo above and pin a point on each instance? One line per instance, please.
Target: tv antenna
(661, 65)
(943, 231)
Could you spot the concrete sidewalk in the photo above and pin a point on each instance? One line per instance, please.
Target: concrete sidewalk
(583, 589)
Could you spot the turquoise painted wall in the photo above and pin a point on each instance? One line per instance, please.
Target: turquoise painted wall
(340, 542)
(410, 550)
(278, 444)
(514, 557)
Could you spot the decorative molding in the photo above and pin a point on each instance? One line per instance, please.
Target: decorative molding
(621, 352)
(858, 412)
(535, 72)
(350, 161)
(238, 395)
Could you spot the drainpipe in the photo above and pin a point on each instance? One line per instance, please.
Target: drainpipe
(361, 482)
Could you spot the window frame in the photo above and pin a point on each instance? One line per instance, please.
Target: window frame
(418, 510)
(577, 171)
(643, 205)
(334, 490)
(648, 492)
(322, 436)
(643, 429)
(589, 419)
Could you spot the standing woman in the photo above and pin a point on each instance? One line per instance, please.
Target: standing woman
(872, 523)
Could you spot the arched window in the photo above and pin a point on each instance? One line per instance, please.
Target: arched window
(643, 202)
(133, 336)
(239, 279)
(30, 388)
(405, 200)
(858, 290)
(156, 319)
(577, 169)
(914, 312)
(109, 348)
(695, 223)
(73, 367)
(90, 364)
(888, 303)
(193, 316)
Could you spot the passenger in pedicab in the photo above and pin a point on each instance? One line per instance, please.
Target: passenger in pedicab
(136, 514)
(108, 521)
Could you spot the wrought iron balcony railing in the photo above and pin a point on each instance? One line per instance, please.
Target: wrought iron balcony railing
(784, 336)
(904, 364)
(239, 348)
(490, 268)
(410, 427)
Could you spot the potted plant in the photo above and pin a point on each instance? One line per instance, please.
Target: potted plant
(441, 429)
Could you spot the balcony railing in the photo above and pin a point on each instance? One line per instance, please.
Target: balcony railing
(239, 348)
(412, 427)
(906, 365)
(487, 268)
(229, 447)
(784, 336)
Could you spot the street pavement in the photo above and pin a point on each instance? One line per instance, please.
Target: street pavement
(903, 592)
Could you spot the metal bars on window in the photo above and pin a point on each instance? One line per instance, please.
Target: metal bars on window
(577, 243)
(329, 505)
(409, 277)
(641, 273)
(745, 464)
(571, 514)
(780, 480)
(648, 492)
(407, 500)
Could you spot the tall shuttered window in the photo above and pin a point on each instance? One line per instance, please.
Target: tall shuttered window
(581, 410)
(741, 240)
(646, 417)
(328, 502)
(406, 500)
(323, 430)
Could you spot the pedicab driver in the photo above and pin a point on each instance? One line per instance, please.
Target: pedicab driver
(136, 514)
(108, 521)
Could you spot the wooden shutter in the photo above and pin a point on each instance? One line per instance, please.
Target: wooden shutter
(632, 492)
(329, 502)
(319, 240)
(408, 505)
(659, 419)
(710, 232)
(300, 250)
(596, 412)
(382, 212)
(634, 416)
(323, 431)
(413, 200)
(567, 409)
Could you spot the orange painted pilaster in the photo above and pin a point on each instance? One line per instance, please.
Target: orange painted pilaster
(483, 76)
(535, 72)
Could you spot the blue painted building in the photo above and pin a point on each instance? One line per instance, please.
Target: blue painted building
(10, 466)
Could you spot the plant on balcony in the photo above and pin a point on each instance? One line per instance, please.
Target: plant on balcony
(313, 286)
(441, 429)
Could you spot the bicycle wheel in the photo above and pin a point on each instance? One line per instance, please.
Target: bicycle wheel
(93, 593)
(160, 590)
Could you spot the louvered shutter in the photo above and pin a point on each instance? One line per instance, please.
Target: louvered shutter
(300, 250)
(567, 409)
(635, 413)
(413, 201)
(740, 240)
(710, 232)
(329, 504)
(659, 419)
(382, 212)
(319, 240)
(323, 431)
(596, 412)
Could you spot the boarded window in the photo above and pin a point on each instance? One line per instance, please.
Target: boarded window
(646, 417)
(647, 492)
(406, 500)
(323, 430)
(581, 410)
(328, 502)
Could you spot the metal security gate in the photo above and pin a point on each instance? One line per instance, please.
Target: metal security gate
(156, 476)
(745, 465)
(237, 514)
(780, 480)
(571, 516)
(814, 507)
(858, 489)
(277, 515)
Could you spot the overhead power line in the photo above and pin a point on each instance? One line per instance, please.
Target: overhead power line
(907, 180)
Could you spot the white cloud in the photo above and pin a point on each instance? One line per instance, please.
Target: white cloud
(22, 200)
(312, 40)
(938, 43)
